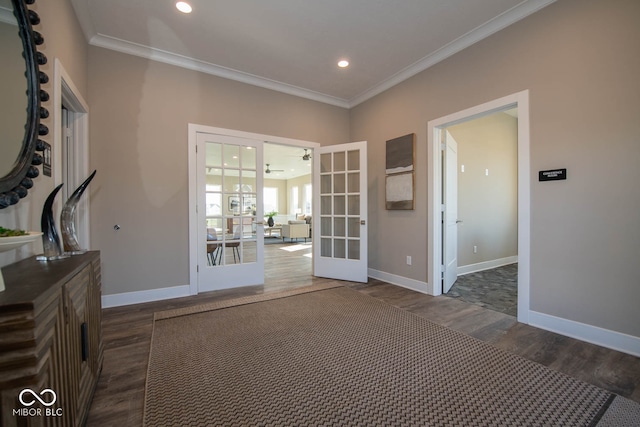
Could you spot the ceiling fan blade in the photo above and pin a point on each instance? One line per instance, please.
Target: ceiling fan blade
(268, 170)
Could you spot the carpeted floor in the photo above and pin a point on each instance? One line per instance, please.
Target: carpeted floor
(332, 356)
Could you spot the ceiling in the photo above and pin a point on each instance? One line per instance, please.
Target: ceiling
(293, 46)
(285, 161)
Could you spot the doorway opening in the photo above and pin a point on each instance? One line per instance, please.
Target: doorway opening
(238, 218)
(441, 217)
(288, 195)
(486, 249)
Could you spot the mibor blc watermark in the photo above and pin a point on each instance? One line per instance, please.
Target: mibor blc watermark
(29, 399)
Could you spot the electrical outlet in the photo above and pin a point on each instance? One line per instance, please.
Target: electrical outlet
(475, 249)
(408, 259)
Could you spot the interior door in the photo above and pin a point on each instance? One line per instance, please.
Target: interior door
(340, 216)
(230, 213)
(450, 230)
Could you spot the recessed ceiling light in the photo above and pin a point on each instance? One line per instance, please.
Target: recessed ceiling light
(184, 7)
(343, 63)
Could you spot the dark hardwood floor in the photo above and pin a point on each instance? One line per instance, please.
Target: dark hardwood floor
(119, 397)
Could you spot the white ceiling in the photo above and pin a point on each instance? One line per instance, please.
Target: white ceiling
(293, 45)
(285, 161)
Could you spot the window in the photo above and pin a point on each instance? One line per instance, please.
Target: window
(213, 200)
(293, 206)
(270, 202)
(307, 199)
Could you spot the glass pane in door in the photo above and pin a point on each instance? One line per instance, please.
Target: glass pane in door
(231, 199)
(340, 204)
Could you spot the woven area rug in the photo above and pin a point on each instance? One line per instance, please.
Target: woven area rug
(318, 356)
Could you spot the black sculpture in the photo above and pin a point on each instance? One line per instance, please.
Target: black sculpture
(68, 220)
(50, 239)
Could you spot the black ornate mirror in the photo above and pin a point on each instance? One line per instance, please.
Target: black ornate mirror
(20, 108)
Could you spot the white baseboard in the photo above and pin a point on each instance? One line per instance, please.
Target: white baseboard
(592, 334)
(405, 282)
(138, 297)
(486, 265)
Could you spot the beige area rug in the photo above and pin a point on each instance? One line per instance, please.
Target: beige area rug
(318, 356)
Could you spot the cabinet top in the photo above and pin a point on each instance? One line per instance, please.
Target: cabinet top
(29, 281)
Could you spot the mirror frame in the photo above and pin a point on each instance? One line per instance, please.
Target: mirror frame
(15, 185)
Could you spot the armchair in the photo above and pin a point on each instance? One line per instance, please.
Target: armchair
(295, 230)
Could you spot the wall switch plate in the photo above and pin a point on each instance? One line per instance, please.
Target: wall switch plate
(475, 249)
(408, 259)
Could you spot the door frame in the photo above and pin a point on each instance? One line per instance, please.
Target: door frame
(193, 130)
(66, 93)
(434, 226)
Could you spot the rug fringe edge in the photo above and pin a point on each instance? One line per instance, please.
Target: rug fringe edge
(218, 305)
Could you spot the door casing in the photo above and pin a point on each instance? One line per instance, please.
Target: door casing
(434, 226)
(67, 94)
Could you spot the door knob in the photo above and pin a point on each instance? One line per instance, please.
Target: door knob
(458, 221)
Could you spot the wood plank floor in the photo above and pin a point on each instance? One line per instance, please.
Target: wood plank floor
(119, 397)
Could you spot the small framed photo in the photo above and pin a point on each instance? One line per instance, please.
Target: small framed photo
(234, 204)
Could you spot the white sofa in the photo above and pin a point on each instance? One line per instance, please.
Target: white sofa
(295, 230)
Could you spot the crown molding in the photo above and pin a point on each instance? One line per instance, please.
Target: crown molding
(524, 9)
(498, 23)
(112, 43)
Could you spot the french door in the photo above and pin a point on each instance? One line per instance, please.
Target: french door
(340, 222)
(229, 212)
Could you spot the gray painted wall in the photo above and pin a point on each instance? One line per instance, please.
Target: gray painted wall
(140, 111)
(579, 60)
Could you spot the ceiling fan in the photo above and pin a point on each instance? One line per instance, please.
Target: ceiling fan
(267, 170)
(306, 155)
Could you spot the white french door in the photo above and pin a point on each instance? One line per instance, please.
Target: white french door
(230, 228)
(340, 221)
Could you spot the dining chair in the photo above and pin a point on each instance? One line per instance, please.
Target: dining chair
(214, 250)
(235, 246)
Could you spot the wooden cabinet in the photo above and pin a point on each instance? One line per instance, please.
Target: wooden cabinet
(50, 339)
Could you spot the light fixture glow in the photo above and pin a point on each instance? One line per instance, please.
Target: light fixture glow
(184, 7)
(343, 63)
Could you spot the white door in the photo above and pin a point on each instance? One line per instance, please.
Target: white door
(450, 229)
(229, 212)
(340, 219)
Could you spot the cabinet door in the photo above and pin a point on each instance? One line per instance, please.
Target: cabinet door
(94, 319)
(78, 367)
